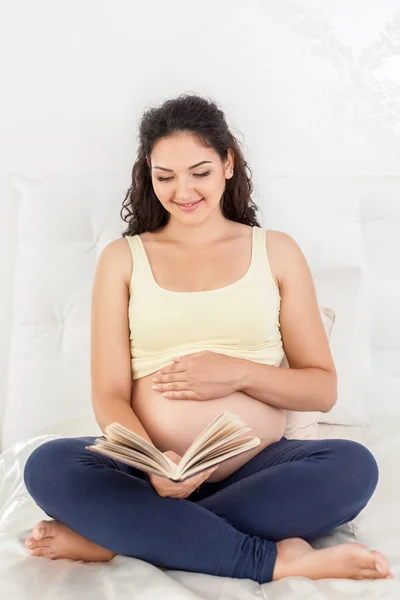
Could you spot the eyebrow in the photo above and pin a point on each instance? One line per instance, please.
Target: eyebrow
(192, 167)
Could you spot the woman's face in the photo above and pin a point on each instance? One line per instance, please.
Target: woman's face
(182, 180)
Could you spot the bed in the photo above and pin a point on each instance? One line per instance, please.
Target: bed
(23, 576)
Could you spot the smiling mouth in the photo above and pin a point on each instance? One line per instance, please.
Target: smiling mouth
(189, 203)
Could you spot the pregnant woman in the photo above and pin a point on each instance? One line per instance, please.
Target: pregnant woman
(192, 310)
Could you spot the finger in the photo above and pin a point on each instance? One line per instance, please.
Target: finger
(198, 478)
(206, 474)
(170, 378)
(201, 479)
(175, 376)
(196, 481)
(170, 387)
(181, 395)
(175, 368)
(174, 386)
(173, 456)
(210, 472)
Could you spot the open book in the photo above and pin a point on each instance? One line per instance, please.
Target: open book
(217, 443)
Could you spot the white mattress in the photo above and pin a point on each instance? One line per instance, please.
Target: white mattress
(24, 576)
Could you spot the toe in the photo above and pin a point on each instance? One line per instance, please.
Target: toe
(41, 551)
(370, 574)
(39, 543)
(42, 529)
(381, 563)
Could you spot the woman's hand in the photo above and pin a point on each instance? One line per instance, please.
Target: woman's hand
(199, 376)
(178, 489)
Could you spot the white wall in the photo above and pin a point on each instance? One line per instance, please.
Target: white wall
(312, 88)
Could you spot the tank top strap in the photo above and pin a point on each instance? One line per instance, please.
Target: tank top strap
(141, 267)
(259, 250)
(261, 265)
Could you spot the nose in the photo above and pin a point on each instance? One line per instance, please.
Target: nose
(184, 191)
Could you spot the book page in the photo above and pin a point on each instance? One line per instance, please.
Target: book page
(134, 459)
(118, 434)
(199, 468)
(213, 426)
(229, 433)
(219, 448)
(114, 433)
(216, 428)
(223, 431)
(107, 447)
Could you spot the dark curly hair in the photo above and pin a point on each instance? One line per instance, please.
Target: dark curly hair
(188, 113)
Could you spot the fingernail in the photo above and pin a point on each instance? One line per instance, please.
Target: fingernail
(378, 567)
(29, 543)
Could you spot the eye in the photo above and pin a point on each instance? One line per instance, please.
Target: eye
(195, 175)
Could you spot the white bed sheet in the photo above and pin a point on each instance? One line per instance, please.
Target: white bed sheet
(24, 576)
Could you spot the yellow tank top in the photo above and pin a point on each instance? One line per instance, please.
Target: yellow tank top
(239, 320)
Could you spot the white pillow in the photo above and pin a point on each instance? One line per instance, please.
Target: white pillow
(63, 225)
(303, 425)
(345, 290)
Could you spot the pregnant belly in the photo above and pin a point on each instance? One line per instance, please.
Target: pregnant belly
(174, 424)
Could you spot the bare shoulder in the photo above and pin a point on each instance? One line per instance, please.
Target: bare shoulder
(304, 337)
(110, 355)
(284, 254)
(118, 256)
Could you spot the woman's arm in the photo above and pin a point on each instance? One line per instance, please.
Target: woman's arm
(111, 373)
(311, 382)
(304, 389)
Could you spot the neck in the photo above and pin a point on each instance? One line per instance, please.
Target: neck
(210, 230)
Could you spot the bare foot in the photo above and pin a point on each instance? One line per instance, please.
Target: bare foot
(53, 539)
(348, 561)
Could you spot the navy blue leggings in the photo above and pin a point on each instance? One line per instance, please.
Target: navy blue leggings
(292, 488)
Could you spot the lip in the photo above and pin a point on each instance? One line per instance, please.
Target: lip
(190, 208)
